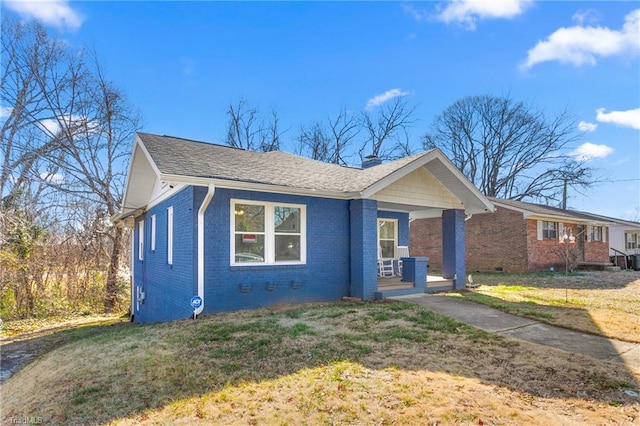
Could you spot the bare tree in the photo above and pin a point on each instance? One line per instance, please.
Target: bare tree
(247, 130)
(390, 125)
(33, 66)
(96, 144)
(329, 140)
(509, 149)
(65, 137)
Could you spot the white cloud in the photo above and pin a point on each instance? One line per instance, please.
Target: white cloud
(468, 12)
(585, 15)
(56, 13)
(53, 178)
(384, 97)
(629, 118)
(590, 151)
(49, 126)
(584, 126)
(418, 15)
(582, 45)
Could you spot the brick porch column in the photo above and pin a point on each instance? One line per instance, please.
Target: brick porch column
(453, 247)
(364, 250)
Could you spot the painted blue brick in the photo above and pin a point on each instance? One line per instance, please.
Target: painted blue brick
(341, 256)
(168, 288)
(453, 247)
(325, 276)
(364, 251)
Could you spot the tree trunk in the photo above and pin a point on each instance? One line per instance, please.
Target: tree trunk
(111, 296)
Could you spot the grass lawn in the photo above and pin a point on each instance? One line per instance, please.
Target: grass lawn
(335, 363)
(603, 303)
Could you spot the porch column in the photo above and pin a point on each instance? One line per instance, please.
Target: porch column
(453, 247)
(364, 250)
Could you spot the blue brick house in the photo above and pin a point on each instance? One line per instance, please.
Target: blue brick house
(242, 229)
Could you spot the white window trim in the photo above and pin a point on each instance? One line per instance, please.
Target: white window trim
(170, 235)
(141, 240)
(542, 230)
(269, 233)
(153, 232)
(395, 235)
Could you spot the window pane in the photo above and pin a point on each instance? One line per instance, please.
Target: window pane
(549, 230)
(386, 248)
(249, 248)
(386, 230)
(249, 218)
(287, 219)
(287, 247)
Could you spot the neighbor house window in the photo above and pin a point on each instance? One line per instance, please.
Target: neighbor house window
(170, 235)
(549, 230)
(387, 238)
(596, 233)
(153, 232)
(632, 240)
(267, 233)
(141, 240)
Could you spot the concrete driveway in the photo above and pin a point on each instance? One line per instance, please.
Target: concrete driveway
(495, 321)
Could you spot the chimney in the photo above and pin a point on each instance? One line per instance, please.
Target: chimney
(370, 161)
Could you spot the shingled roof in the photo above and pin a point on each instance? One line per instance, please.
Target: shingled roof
(182, 157)
(172, 161)
(543, 210)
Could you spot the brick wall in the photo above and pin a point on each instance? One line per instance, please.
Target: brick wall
(543, 254)
(503, 240)
(168, 287)
(425, 240)
(497, 242)
(325, 276)
(494, 241)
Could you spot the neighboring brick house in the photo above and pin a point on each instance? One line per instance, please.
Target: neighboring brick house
(518, 237)
(221, 229)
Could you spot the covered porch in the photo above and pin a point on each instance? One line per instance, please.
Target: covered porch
(394, 286)
(380, 220)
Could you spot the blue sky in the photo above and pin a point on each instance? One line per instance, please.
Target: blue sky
(183, 63)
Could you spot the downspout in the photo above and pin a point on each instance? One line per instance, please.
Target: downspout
(203, 207)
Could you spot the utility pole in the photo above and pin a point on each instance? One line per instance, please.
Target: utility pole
(564, 195)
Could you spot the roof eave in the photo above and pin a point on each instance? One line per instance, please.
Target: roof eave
(253, 186)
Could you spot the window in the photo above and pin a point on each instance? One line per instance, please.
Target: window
(549, 230)
(153, 232)
(141, 240)
(596, 233)
(267, 233)
(170, 235)
(387, 238)
(632, 240)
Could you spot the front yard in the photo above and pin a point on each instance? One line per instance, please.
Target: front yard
(603, 303)
(333, 363)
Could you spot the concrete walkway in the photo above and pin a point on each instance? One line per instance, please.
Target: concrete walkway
(496, 321)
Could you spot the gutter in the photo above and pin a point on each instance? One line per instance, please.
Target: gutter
(203, 208)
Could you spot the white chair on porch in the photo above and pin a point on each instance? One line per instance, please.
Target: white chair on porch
(385, 266)
(401, 251)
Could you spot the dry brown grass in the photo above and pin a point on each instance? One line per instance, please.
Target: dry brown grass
(603, 303)
(341, 363)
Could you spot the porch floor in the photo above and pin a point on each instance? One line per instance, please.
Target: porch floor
(395, 283)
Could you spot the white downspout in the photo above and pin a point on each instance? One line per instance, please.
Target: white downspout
(201, 210)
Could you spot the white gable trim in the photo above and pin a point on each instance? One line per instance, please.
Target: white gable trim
(471, 199)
